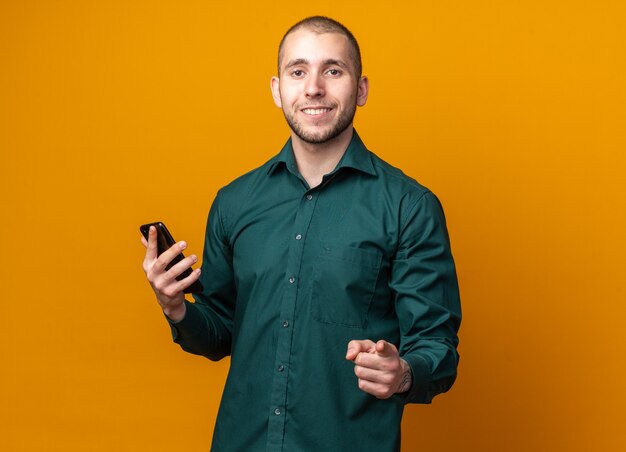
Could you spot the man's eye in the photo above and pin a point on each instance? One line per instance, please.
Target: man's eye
(334, 72)
(297, 73)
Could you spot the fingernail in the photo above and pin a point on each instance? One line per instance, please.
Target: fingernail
(182, 245)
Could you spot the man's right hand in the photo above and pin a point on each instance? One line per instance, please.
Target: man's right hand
(168, 291)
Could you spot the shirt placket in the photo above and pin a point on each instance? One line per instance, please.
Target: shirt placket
(279, 407)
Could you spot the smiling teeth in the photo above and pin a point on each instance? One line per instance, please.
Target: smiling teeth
(315, 111)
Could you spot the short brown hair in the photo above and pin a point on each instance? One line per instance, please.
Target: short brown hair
(320, 25)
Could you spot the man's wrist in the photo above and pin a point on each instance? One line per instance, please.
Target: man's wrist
(406, 380)
(176, 313)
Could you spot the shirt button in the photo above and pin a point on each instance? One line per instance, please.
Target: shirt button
(309, 197)
(277, 412)
(285, 324)
(281, 368)
(298, 237)
(292, 280)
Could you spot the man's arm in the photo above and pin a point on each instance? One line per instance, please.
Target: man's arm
(204, 327)
(423, 278)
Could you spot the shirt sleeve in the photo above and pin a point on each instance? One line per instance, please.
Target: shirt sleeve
(423, 278)
(207, 326)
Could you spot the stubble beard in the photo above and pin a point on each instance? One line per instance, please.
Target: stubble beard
(341, 124)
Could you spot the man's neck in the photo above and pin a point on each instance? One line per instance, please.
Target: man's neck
(316, 160)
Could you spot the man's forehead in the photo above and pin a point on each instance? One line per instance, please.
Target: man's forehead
(310, 46)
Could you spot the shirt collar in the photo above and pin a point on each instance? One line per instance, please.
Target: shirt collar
(356, 156)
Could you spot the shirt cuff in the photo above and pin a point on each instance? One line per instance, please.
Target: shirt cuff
(420, 372)
(188, 325)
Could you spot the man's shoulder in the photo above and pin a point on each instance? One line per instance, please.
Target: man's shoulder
(406, 194)
(245, 184)
(394, 177)
(234, 196)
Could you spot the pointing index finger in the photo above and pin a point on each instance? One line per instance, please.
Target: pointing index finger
(386, 349)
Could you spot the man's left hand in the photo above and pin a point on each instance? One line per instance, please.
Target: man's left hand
(379, 368)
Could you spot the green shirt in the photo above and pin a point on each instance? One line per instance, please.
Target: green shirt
(292, 274)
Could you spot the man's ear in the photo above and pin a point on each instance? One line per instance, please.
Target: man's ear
(362, 91)
(275, 87)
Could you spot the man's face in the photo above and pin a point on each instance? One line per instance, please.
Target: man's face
(317, 87)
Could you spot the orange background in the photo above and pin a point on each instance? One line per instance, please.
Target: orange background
(117, 113)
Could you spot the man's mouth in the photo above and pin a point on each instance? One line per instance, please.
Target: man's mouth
(315, 111)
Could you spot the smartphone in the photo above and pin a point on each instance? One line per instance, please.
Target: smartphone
(165, 242)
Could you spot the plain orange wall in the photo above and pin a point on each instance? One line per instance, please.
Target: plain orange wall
(116, 113)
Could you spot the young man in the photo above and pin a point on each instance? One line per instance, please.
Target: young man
(327, 275)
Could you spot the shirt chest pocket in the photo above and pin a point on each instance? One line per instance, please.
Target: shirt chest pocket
(344, 280)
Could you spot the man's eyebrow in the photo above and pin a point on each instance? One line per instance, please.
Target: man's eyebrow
(331, 62)
(296, 62)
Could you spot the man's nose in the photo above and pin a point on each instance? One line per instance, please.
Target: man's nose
(314, 86)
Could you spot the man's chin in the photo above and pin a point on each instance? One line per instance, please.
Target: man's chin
(318, 137)
(315, 139)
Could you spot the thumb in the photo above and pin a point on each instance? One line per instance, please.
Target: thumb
(355, 347)
(386, 349)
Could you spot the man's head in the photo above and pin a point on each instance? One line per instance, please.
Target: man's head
(319, 83)
(320, 25)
